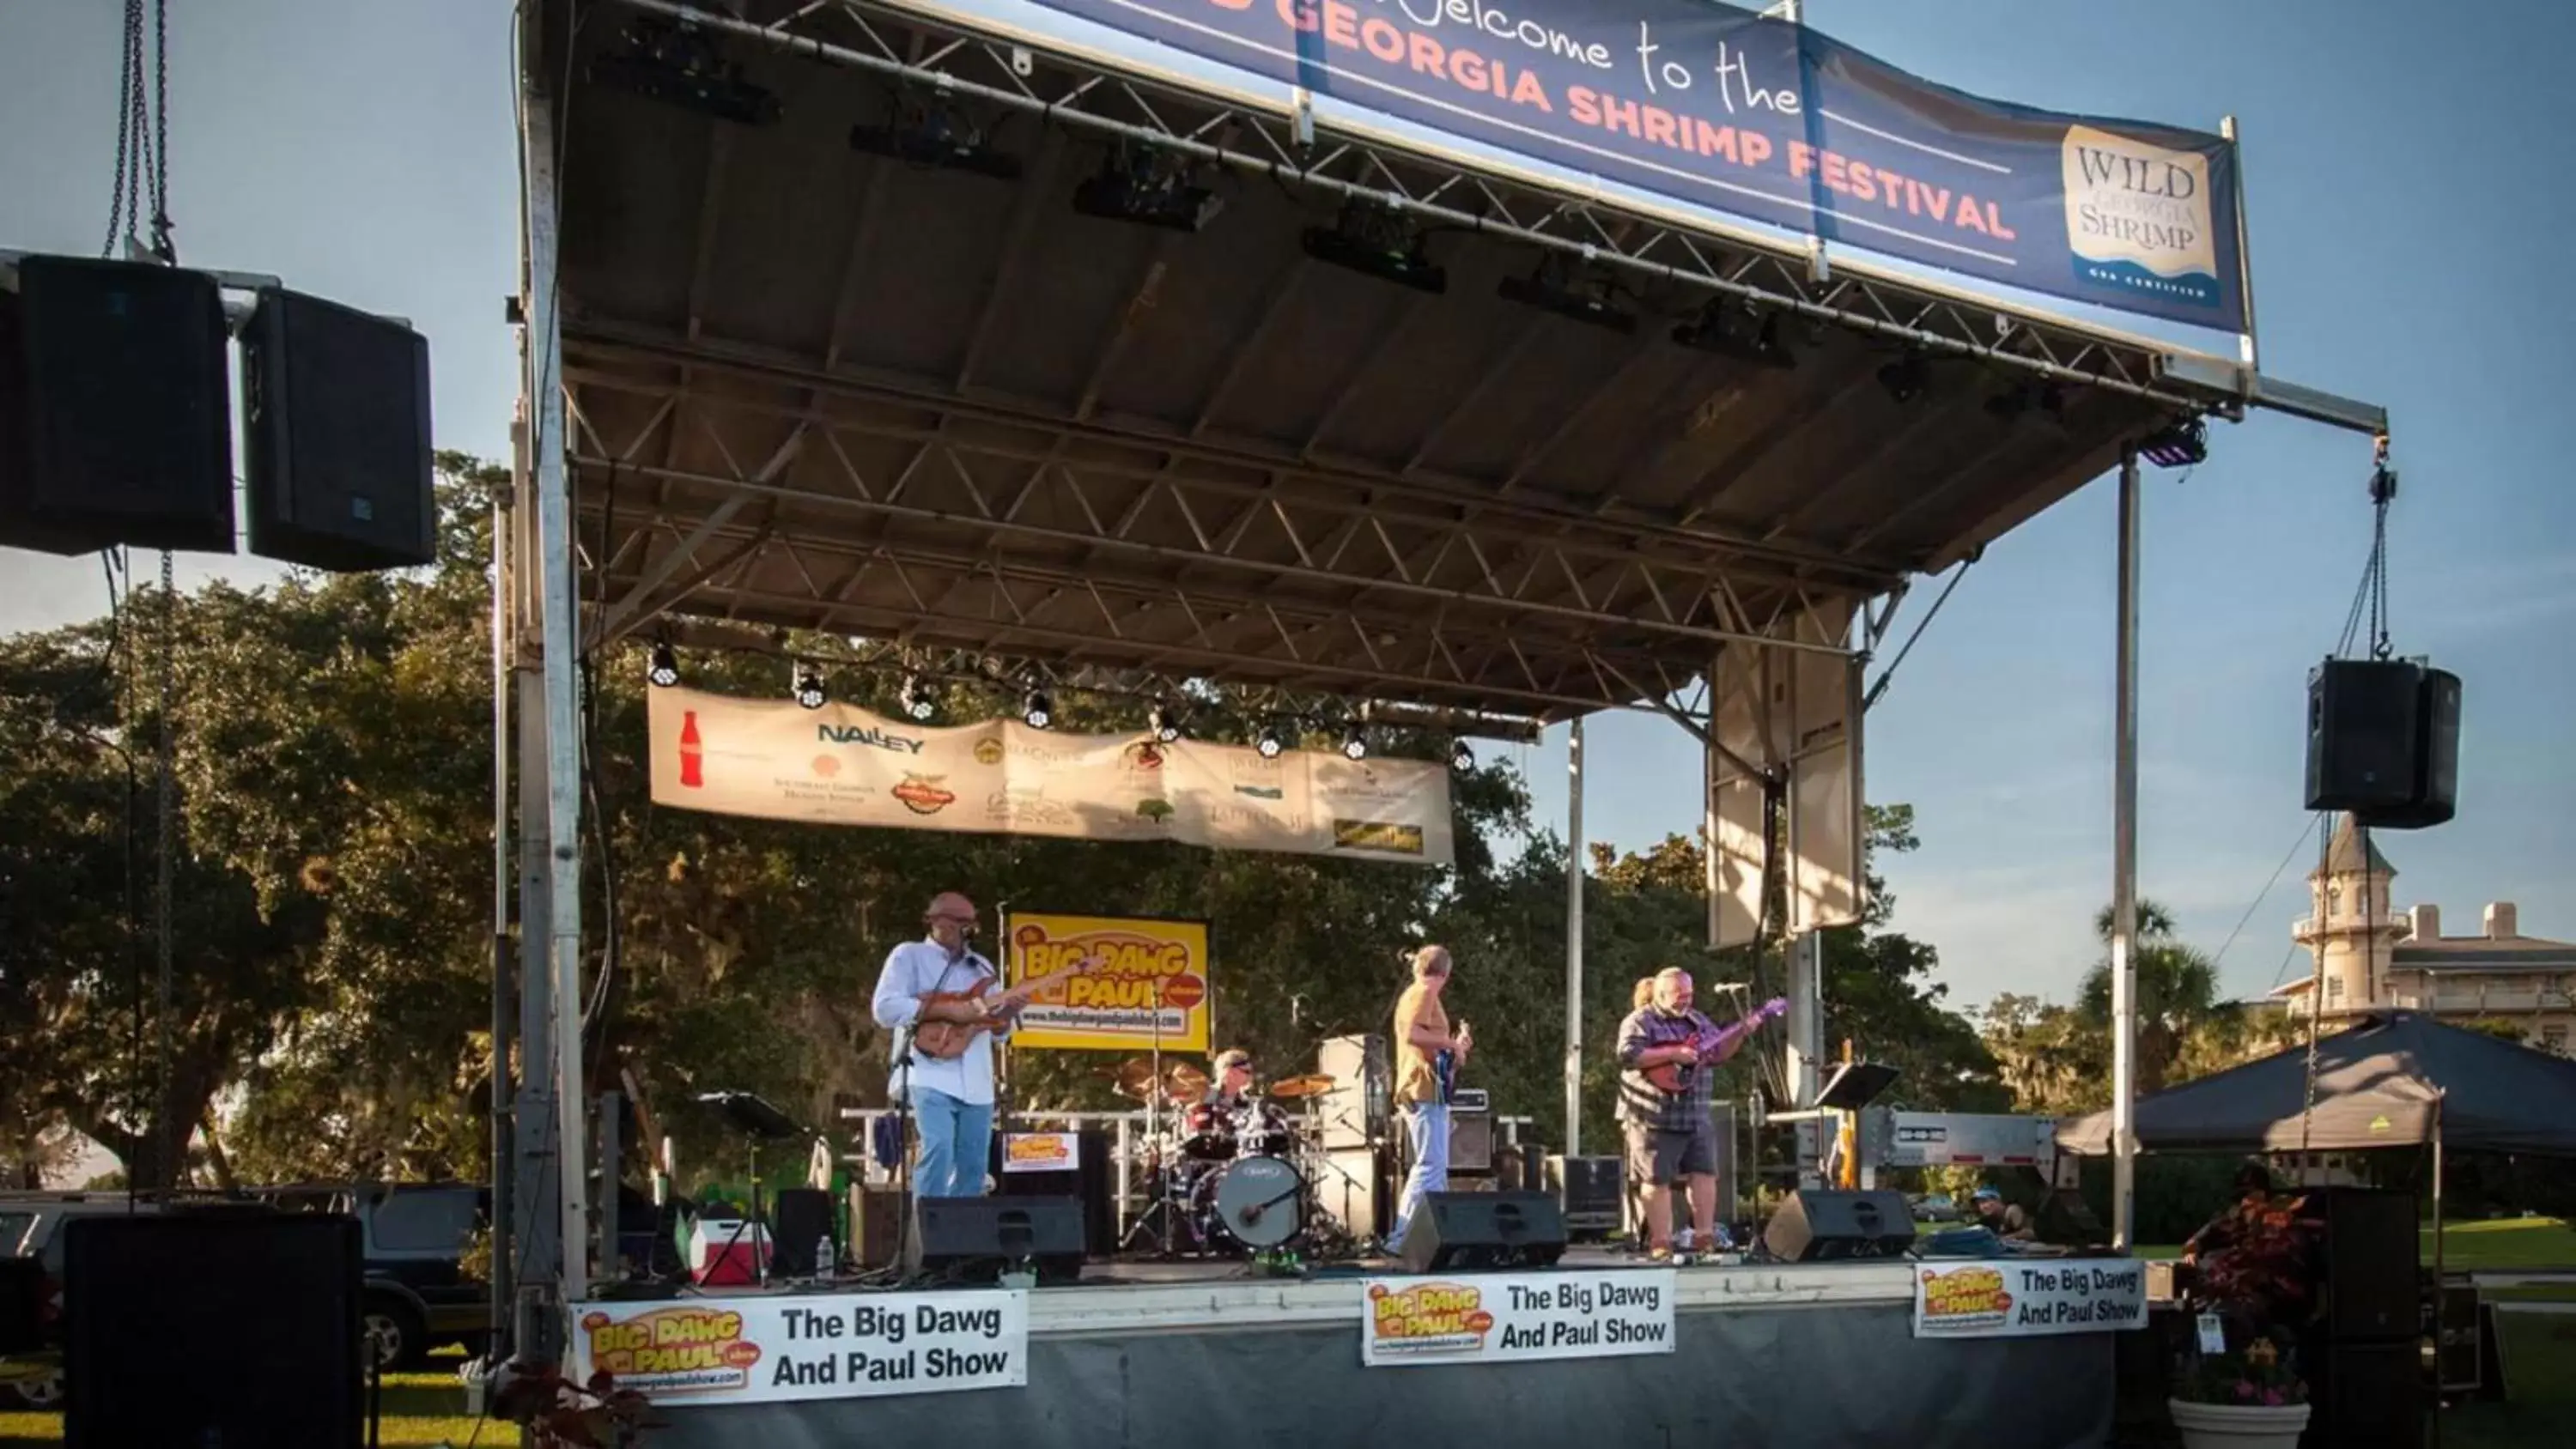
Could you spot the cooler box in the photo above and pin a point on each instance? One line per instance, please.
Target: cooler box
(727, 1252)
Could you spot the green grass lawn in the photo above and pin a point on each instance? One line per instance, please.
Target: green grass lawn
(421, 1410)
(2480, 1246)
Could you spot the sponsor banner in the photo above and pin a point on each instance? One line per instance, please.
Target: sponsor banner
(1151, 984)
(842, 765)
(1041, 1152)
(2029, 1299)
(768, 1350)
(1512, 1317)
(1718, 108)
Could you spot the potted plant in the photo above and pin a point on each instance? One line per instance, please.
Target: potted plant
(2245, 1398)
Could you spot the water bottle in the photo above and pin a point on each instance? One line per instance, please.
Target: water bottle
(823, 1256)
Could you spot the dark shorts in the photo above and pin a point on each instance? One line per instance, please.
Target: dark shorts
(1666, 1158)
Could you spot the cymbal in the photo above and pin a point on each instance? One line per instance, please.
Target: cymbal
(1314, 1085)
(1183, 1080)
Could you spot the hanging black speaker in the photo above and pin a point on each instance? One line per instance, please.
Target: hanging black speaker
(114, 419)
(2437, 759)
(2362, 734)
(337, 442)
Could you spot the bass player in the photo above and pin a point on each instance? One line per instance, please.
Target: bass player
(1668, 1053)
(940, 985)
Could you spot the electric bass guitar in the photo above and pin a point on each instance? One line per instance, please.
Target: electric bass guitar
(1444, 1067)
(1710, 1045)
(948, 1040)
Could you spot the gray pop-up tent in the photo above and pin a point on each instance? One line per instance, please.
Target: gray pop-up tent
(2396, 1079)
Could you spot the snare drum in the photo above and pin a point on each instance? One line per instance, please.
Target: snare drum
(1261, 1129)
(1207, 1133)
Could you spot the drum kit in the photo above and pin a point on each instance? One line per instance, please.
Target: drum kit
(1228, 1179)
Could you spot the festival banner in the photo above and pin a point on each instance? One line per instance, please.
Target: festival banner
(2029, 1299)
(1150, 986)
(685, 1352)
(1516, 1317)
(842, 765)
(1717, 108)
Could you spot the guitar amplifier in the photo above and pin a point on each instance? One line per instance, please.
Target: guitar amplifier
(1591, 1191)
(1471, 1131)
(1355, 1110)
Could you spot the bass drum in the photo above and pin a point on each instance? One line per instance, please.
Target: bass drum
(1260, 1201)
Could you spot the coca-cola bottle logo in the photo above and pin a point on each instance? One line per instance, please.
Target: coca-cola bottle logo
(692, 754)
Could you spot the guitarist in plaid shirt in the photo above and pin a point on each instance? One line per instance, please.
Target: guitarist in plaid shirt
(1668, 1054)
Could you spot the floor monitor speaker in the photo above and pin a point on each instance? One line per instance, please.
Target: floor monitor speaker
(337, 441)
(1463, 1230)
(2363, 734)
(1814, 1225)
(114, 409)
(975, 1239)
(213, 1328)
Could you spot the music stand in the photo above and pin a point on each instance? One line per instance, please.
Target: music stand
(758, 1122)
(1855, 1085)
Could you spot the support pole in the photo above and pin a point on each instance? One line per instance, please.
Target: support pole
(1805, 1050)
(2248, 347)
(1574, 938)
(1712, 878)
(535, 1224)
(503, 1159)
(2124, 877)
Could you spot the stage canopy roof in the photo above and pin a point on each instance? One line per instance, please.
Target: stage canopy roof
(826, 389)
(2377, 1086)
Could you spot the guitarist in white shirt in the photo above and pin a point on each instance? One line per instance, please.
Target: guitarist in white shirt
(952, 1097)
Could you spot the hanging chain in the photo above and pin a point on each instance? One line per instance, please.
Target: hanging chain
(2383, 491)
(142, 177)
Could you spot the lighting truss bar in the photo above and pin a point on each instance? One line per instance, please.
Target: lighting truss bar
(1882, 309)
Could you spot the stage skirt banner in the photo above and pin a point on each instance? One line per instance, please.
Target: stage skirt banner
(1516, 1317)
(1148, 988)
(1041, 1152)
(1720, 109)
(2029, 1299)
(842, 765)
(770, 1350)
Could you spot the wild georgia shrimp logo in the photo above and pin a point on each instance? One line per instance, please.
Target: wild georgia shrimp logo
(1430, 1318)
(1964, 1295)
(687, 1349)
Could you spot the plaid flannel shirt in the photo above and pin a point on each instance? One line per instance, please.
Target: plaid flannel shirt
(1640, 1101)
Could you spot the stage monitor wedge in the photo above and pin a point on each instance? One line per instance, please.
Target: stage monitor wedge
(115, 428)
(1455, 1231)
(336, 430)
(1815, 1225)
(976, 1239)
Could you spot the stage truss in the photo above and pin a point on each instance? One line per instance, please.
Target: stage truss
(778, 383)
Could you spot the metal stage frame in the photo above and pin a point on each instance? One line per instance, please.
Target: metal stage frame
(770, 381)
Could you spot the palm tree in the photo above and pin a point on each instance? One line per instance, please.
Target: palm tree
(2177, 991)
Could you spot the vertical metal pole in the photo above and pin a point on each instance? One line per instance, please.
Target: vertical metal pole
(539, 1250)
(2124, 876)
(1805, 1048)
(498, 1275)
(2247, 345)
(2440, 1262)
(1712, 879)
(1574, 938)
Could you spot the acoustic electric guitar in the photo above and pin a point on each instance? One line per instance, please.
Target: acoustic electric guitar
(1674, 1078)
(948, 1040)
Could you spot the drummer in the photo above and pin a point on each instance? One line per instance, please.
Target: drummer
(1233, 1083)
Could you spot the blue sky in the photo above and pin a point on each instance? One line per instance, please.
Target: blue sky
(2407, 239)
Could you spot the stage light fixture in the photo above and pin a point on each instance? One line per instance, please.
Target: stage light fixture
(2022, 397)
(932, 138)
(2178, 445)
(1378, 243)
(1165, 722)
(662, 668)
(679, 65)
(915, 698)
(1729, 332)
(1354, 743)
(1590, 306)
(1136, 186)
(1905, 378)
(1268, 744)
(1461, 758)
(1038, 710)
(808, 688)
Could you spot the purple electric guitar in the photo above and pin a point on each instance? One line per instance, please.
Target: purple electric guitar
(1712, 1045)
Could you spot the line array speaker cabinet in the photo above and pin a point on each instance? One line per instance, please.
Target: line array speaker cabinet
(115, 423)
(213, 1328)
(337, 436)
(1464, 1230)
(975, 1239)
(1814, 1225)
(2384, 741)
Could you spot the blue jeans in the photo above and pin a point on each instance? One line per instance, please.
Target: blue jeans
(956, 1145)
(1428, 1122)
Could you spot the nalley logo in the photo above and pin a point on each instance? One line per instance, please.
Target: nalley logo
(866, 735)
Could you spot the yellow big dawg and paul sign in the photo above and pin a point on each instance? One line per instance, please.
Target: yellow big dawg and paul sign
(1151, 984)
(841, 765)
